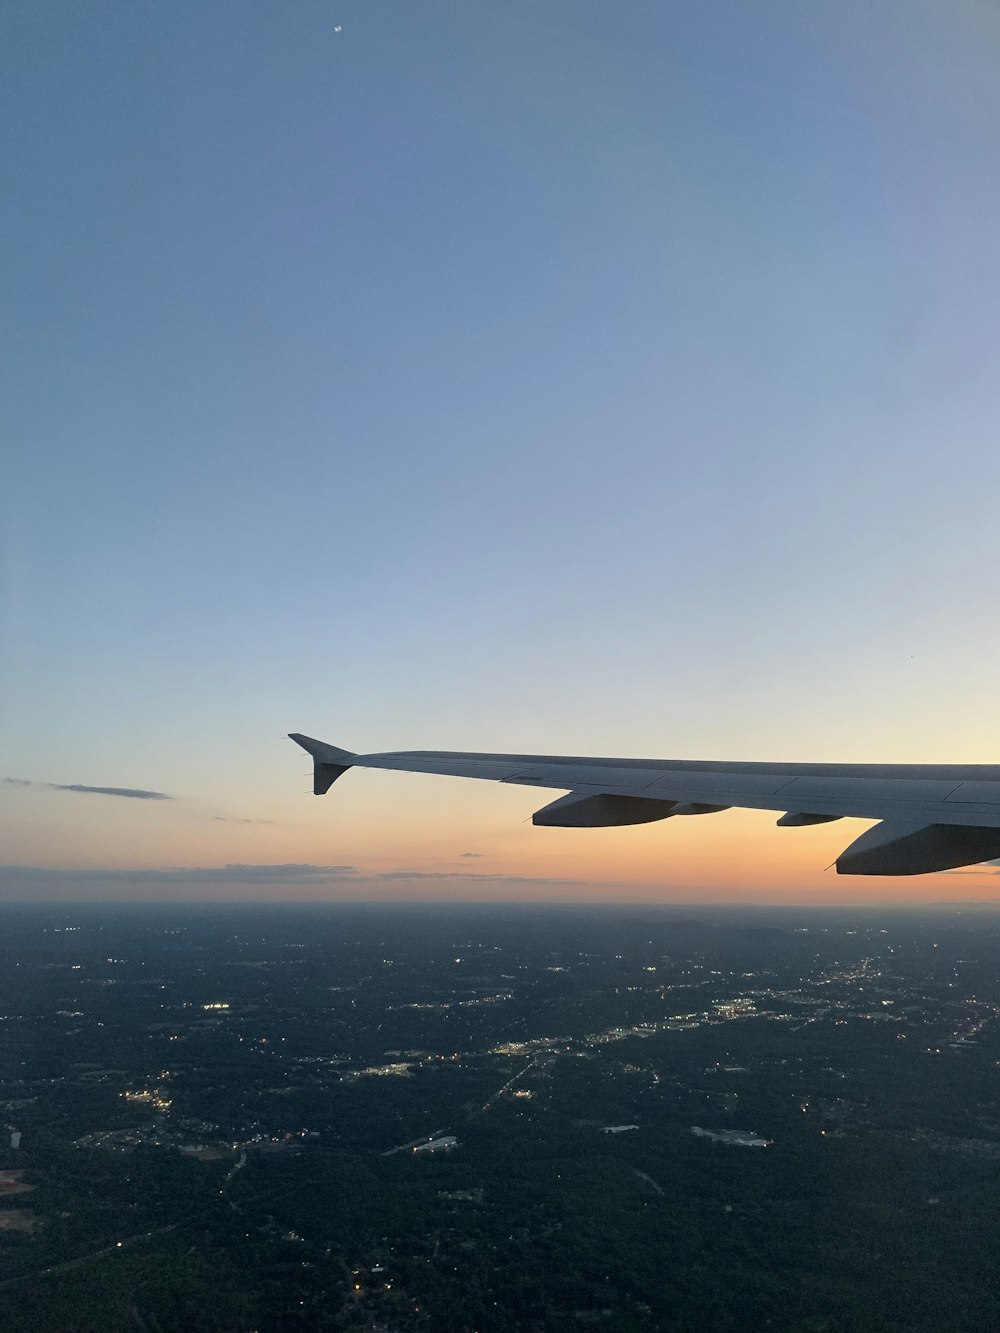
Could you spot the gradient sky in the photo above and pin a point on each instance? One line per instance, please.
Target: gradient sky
(537, 375)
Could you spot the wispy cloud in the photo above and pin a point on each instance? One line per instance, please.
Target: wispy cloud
(467, 855)
(132, 793)
(233, 819)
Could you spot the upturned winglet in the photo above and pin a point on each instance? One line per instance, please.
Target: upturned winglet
(328, 761)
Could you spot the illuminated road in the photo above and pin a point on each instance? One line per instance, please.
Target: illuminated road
(508, 1085)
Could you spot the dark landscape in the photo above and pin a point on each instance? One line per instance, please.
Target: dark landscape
(638, 1118)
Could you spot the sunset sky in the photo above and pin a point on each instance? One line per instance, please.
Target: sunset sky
(568, 376)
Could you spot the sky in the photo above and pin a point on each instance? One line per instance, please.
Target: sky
(538, 375)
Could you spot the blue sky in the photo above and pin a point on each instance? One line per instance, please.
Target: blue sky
(557, 375)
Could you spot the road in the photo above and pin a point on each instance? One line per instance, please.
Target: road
(508, 1085)
(490, 1101)
(126, 1243)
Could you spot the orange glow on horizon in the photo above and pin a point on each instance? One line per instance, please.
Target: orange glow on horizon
(388, 836)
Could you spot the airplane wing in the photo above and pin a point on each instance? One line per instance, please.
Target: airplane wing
(932, 816)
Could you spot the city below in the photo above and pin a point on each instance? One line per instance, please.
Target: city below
(489, 1118)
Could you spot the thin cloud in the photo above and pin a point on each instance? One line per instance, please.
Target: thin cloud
(233, 819)
(131, 793)
(466, 855)
(467, 875)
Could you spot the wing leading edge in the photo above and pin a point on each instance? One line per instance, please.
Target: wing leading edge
(932, 816)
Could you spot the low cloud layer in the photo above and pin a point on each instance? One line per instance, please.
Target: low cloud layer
(227, 874)
(131, 793)
(467, 876)
(22, 877)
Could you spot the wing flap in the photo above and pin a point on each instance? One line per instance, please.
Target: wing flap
(603, 778)
(976, 793)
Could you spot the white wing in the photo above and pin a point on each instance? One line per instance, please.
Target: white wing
(934, 816)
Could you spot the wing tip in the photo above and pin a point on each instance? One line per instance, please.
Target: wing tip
(329, 761)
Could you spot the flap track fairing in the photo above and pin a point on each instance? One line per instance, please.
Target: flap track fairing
(603, 810)
(892, 848)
